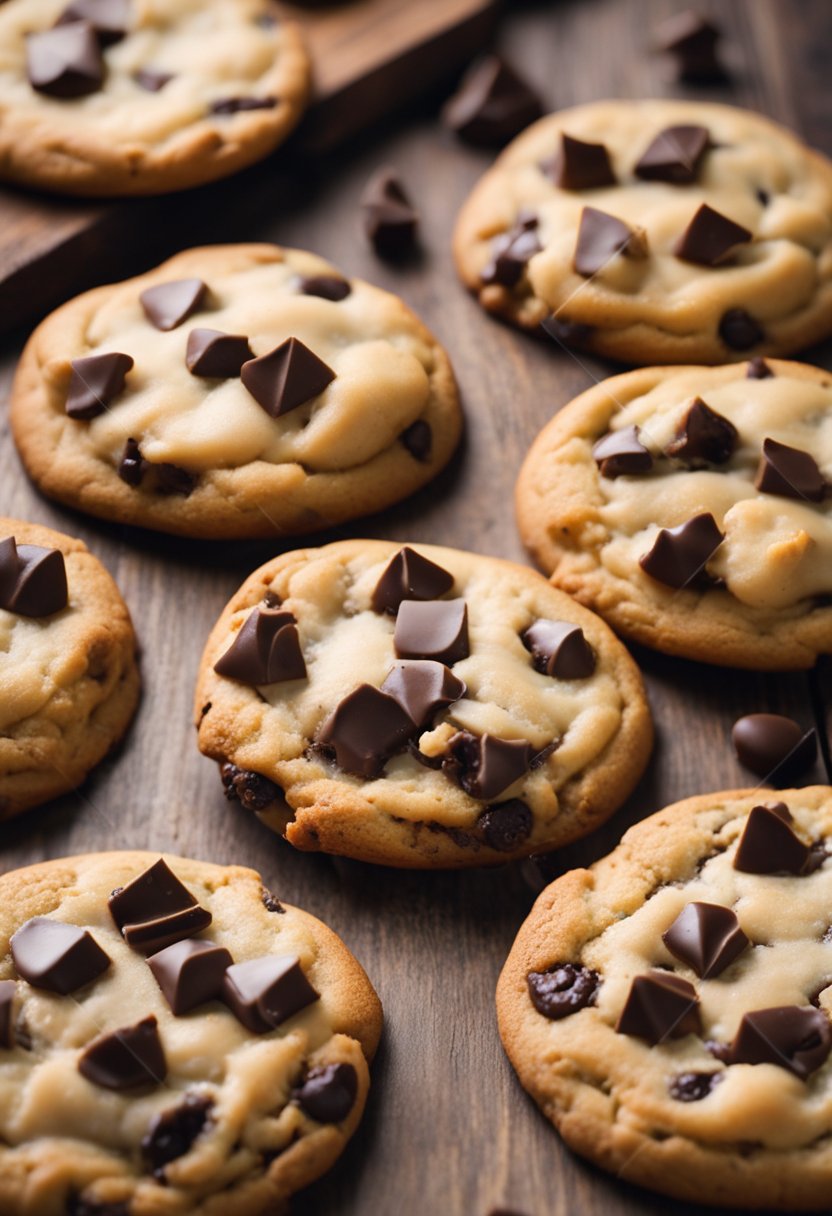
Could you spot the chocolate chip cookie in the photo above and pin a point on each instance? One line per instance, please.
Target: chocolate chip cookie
(68, 673)
(419, 706)
(173, 1039)
(240, 390)
(692, 508)
(669, 1008)
(655, 231)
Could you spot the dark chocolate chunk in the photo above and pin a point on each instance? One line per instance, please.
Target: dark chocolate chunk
(265, 992)
(492, 104)
(109, 18)
(768, 845)
(758, 369)
(150, 80)
(270, 902)
(418, 439)
(703, 437)
(328, 1093)
(601, 237)
(266, 650)
(710, 238)
(171, 479)
(131, 466)
(692, 40)
(579, 166)
(126, 1058)
(660, 1006)
(55, 956)
(422, 687)
(739, 330)
(174, 1132)
(693, 1086)
(156, 909)
(65, 61)
(773, 746)
(149, 936)
(506, 826)
(563, 989)
(390, 222)
(566, 333)
(190, 972)
(237, 105)
(8, 990)
(707, 937)
(252, 790)
(790, 472)
(621, 452)
(169, 304)
(213, 353)
(286, 378)
(364, 730)
(790, 1036)
(32, 579)
(483, 765)
(409, 576)
(679, 554)
(675, 155)
(509, 255)
(559, 649)
(95, 383)
(326, 286)
(432, 629)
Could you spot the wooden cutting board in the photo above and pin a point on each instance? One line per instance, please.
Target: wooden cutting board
(369, 58)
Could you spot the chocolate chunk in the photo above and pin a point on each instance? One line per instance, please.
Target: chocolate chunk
(710, 238)
(739, 330)
(692, 39)
(169, 304)
(675, 155)
(213, 353)
(252, 790)
(265, 992)
(237, 105)
(483, 765)
(707, 937)
(790, 1036)
(171, 479)
(418, 439)
(58, 957)
(65, 61)
(152, 81)
(601, 237)
(129, 1057)
(790, 472)
(286, 378)
(768, 845)
(579, 166)
(492, 104)
(326, 286)
(509, 255)
(758, 369)
(266, 650)
(621, 452)
(506, 826)
(566, 333)
(95, 383)
(679, 554)
(8, 990)
(432, 629)
(174, 1132)
(32, 579)
(364, 730)
(563, 989)
(152, 935)
(390, 222)
(132, 464)
(660, 1006)
(156, 910)
(773, 746)
(409, 576)
(693, 1086)
(559, 649)
(422, 687)
(328, 1093)
(110, 19)
(189, 973)
(270, 902)
(703, 437)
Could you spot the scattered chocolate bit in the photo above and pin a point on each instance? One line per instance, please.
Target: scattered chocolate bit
(390, 221)
(787, 1035)
(237, 105)
(773, 746)
(710, 238)
(567, 333)
(110, 19)
(152, 81)
(693, 1086)
(126, 1058)
(173, 1133)
(65, 61)
(266, 650)
(703, 437)
(264, 992)
(692, 39)
(432, 629)
(660, 1006)
(58, 957)
(707, 937)
(418, 439)
(364, 730)
(422, 687)
(492, 104)
(270, 902)
(213, 353)
(8, 990)
(326, 286)
(579, 166)
(601, 237)
(32, 579)
(768, 845)
(252, 790)
(190, 972)
(131, 465)
(818, 854)
(409, 576)
(156, 910)
(739, 330)
(621, 452)
(506, 826)
(483, 765)
(563, 989)
(171, 479)
(675, 155)
(758, 369)
(679, 554)
(559, 649)
(789, 472)
(510, 253)
(95, 383)
(286, 378)
(169, 304)
(328, 1093)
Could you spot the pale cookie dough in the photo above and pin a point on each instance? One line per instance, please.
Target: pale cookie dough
(511, 761)
(710, 1112)
(69, 679)
(769, 294)
(380, 429)
(762, 598)
(238, 80)
(218, 1118)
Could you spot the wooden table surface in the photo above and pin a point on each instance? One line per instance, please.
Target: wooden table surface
(448, 1130)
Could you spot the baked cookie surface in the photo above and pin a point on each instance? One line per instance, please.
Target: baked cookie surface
(68, 673)
(691, 507)
(186, 1044)
(419, 706)
(239, 390)
(117, 97)
(668, 1009)
(599, 222)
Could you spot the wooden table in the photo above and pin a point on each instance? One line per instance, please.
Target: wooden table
(448, 1131)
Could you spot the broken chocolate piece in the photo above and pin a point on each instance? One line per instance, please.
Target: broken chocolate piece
(169, 304)
(492, 104)
(758, 369)
(773, 746)
(739, 330)
(32, 579)
(109, 18)
(422, 687)
(270, 902)
(790, 1036)
(171, 479)
(286, 378)
(675, 155)
(266, 650)
(602, 237)
(660, 1005)
(94, 384)
(506, 826)
(173, 1133)
(707, 937)
(251, 790)
(679, 554)
(326, 286)
(579, 166)
(265, 992)
(238, 105)
(8, 990)
(126, 1058)
(132, 464)
(768, 845)
(418, 439)
(510, 254)
(364, 730)
(432, 629)
(65, 61)
(790, 472)
(190, 972)
(150, 80)
(156, 909)
(409, 576)
(151, 936)
(483, 765)
(619, 453)
(390, 221)
(328, 1093)
(563, 989)
(710, 238)
(703, 437)
(692, 40)
(213, 353)
(693, 1086)
(58, 957)
(559, 649)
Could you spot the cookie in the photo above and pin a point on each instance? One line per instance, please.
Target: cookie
(691, 507)
(124, 97)
(68, 673)
(174, 1040)
(235, 391)
(668, 1009)
(655, 231)
(419, 706)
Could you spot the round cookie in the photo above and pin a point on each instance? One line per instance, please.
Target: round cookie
(174, 1040)
(668, 1009)
(239, 390)
(591, 223)
(419, 706)
(124, 97)
(67, 664)
(691, 507)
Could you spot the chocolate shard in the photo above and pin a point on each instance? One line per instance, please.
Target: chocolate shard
(675, 155)
(326, 286)
(422, 687)
(506, 826)
(58, 957)
(620, 453)
(769, 846)
(758, 369)
(510, 254)
(152, 81)
(215, 354)
(110, 19)
(790, 472)
(328, 1094)
(266, 650)
(390, 222)
(8, 991)
(679, 554)
(692, 39)
(149, 936)
(559, 649)
(563, 989)
(418, 439)
(126, 1058)
(773, 746)
(790, 1036)
(239, 105)
(190, 973)
(286, 378)
(32, 579)
(364, 730)
(693, 1086)
(579, 166)
(483, 765)
(710, 238)
(432, 629)
(707, 937)
(65, 61)
(660, 1006)
(251, 790)
(703, 437)
(602, 237)
(94, 384)
(265, 992)
(169, 304)
(409, 576)
(156, 909)
(132, 464)
(174, 1132)
(566, 333)
(738, 329)
(492, 104)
